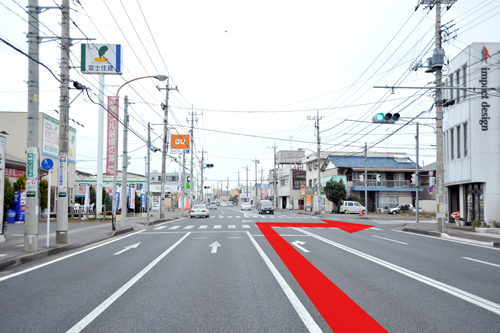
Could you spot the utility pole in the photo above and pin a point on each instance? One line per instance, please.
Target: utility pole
(183, 184)
(256, 161)
(417, 175)
(62, 200)
(366, 180)
(123, 195)
(261, 181)
(191, 144)
(149, 172)
(164, 150)
(202, 168)
(227, 189)
(275, 175)
(31, 224)
(317, 118)
(441, 206)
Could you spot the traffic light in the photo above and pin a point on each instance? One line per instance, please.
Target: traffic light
(414, 179)
(362, 178)
(385, 118)
(188, 179)
(208, 166)
(379, 177)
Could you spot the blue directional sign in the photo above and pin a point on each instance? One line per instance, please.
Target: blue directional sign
(47, 164)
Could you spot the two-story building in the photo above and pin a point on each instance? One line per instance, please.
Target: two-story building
(290, 175)
(471, 125)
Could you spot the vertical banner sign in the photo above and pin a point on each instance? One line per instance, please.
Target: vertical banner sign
(63, 176)
(3, 144)
(112, 146)
(131, 198)
(143, 201)
(32, 172)
(87, 197)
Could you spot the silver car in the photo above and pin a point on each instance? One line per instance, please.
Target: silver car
(246, 206)
(199, 210)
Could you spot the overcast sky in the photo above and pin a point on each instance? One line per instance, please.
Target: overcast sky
(252, 72)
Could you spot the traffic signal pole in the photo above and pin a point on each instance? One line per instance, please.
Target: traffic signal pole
(417, 176)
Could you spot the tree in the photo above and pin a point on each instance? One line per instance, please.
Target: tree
(20, 183)
(137, 203)
(92, 195)
(44, 186)
(106, 199)
(335, 191)
(8, 201)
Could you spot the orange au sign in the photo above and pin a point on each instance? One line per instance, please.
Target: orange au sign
(179, 141)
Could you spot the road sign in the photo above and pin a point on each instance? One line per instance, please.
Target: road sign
(431, 173)
(431, 189)
(47, 164)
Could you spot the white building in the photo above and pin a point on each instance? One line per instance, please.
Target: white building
(471, 128)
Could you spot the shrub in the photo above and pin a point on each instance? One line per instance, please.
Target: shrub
(476, 223)
(353, 198)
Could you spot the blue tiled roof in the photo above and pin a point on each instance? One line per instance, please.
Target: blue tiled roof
(343, 161)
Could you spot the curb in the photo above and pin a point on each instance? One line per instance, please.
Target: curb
(446, 236)
(423, 232)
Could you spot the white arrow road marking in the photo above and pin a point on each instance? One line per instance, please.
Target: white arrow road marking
(298, 245)
(214, 246)
(133, 246)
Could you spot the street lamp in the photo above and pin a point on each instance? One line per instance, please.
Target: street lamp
(319, 176)
(125, 158)
(256, 162)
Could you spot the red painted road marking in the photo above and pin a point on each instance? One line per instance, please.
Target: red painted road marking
(340, 312)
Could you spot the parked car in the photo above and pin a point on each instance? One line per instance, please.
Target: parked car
(351, 207)
(230, 204)
(224, 204)
(265, 206)
(246, 206)
(408, 207)
(454, 215)
(213, 205)
(199, 210)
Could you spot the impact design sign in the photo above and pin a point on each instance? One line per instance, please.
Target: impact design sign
(50, 140)
(112, 129)
(62, 182)
(101, 59)
(32, 172)
(179, 141)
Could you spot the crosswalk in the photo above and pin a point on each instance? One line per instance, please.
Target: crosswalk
(304, 217)
(216, 226)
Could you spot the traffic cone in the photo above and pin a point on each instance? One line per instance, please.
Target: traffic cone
(360, 212)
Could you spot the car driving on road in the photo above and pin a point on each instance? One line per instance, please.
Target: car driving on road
(246, 206)
(265, 207)
(213, 205)
(199, 210)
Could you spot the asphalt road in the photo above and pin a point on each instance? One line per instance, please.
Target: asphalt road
(222, 275)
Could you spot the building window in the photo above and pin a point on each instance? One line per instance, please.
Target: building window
(451, 85)
(466, 150)
(458, 141)
(445, 147)
(310, 182)
(458, 85)
(297, 182)
(464, 79)
(452, 146)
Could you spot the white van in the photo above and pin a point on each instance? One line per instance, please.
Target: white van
(351, 207)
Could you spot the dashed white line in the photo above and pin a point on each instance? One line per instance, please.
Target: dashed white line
(217, 226)
(175, 227)
(189, 227)
(232, 226)
(203, 227)
(392, 240)
(482, 262)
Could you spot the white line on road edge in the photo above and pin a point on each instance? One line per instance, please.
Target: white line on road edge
(68, 256)
(445, 237)
(482, 262)
(297, 305)
(466, 296)
(392, 240)
(104, 305)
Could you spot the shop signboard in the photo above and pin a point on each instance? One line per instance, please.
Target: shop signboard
(63, 176)
(50, 140)
(101, 59)
(112, 130)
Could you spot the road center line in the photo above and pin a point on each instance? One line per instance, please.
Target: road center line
(482, 262)
(466, 296)
(104, 305)
(392, 240)
(297, 305)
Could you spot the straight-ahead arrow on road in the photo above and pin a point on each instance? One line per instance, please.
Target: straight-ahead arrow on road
(133, 246)
(298, 245)
(214, 246)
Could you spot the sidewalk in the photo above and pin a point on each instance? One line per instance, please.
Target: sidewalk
(80, 233)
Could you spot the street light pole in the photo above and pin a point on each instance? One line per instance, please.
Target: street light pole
(123, 221)
(317, 118)
(256, 162)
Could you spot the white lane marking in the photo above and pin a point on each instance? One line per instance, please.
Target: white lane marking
(2, 255)
(234, 237)
(159, 228)
(189, 227)
(214, 246)
(221, 217)
(126, 248)
(373, 228)
(462, 241)
(244, 221)
(238, 217)
(212, 217)
(462, 294)
(246, 226)
(200, 237)
(68, 256)
(298, 245)
(229, 217)
(217, 226)
(391, 240)
(232, 226)
(482, 262)
(297, 305)
(175, 227)
(104, 305)
(203, 227)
